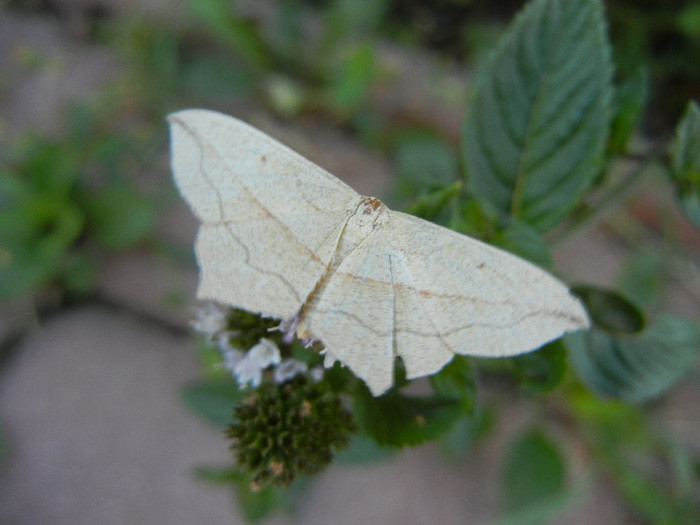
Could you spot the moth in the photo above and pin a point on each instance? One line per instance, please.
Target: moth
(284, 238)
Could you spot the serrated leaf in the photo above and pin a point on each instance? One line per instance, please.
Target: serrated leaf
(398, 420)
(639, 367)
(534, 471)
(685, 162)
(610, 311)
(538, 120)
(213, 399)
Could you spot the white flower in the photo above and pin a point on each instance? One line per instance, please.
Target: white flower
(210, 318)
(288, 369)
(265, 353)
(222, 340)
(248, 372)
(316, 374)
(231, 358)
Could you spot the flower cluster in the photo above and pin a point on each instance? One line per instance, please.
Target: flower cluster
(232, 332)
(292, 420)
(289, 429)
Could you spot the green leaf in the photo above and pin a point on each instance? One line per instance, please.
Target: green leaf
(642, 278)
(424, 163)
(610, 311)
(536, 132)
(534, 471)
(350, 85)
(120, 217)
(628, 105)
(364, 449)
(456, 381)
(31, 261)
(525, 241)
(685, 162)
(213, 399)
(242, 36)
(433, 205)
(639, 367)
(398, 420)
(543, 370)
(211, 77)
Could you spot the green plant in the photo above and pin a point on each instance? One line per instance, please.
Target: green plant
(61, 202)
(545, 123)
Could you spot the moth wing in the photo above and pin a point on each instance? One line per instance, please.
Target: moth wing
(466, 297)
(270, 218)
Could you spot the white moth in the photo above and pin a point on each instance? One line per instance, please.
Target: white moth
(286, 239)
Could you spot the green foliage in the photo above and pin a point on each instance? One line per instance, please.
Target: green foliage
(424, 164)
(630, 99)
(397, 420)
(59, 195)
(534, 471)
(256, 503)
(635, 368)
(213, 399)
(610, 311)
(539, 117)
(685, 162)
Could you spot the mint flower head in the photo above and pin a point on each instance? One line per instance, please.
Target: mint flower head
(284, 430)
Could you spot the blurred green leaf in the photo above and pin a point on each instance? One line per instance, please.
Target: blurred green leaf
(525, 241)
(630, 99)
(543, 370)
(642, 278)
(241, 35)
(434, 205)
(534, 471)
(119, 216)
(397, 420)
(351, 82)
(610, 311)
(456, 381)
(685, 162)
(31, 261)
(425, 163)
(212, 76)
(213, 399)
(635, 368)
(364, 449)
(467, 431)
(255, 503)
(535, 134)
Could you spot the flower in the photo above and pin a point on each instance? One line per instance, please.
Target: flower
(316, 374)
(287, 430)
(265, 353)
(231, 358)
(288, 369)
(248, 370)
(210, 318)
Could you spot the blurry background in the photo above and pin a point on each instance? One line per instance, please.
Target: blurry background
(93, 320)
